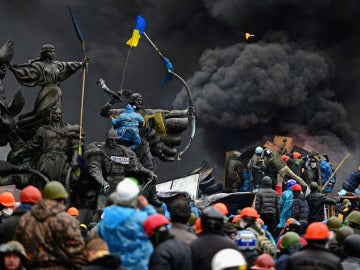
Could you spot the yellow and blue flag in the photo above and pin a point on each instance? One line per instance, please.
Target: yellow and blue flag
(137, 32)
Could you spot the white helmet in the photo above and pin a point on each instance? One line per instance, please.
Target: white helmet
(226, 258)
(126, 190)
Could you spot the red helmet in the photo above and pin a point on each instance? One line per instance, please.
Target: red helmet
(222, 208)
(264, 262)
(317, 231)
(30, 194)
(153, 222)
(72, 211)
(7, 199)
(296, 155)
(296, 187)
(249, 212)
(285, 158)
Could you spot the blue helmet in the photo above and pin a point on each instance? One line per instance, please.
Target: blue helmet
(290, 183)
(258, 150)
(246, 240)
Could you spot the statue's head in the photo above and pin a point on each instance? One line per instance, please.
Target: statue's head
(111, 138)
(47, 51)
(55, 114)
(136, 101)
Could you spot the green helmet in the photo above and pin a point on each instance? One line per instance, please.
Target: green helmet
(354, 217)
(314, 186)
(54, 190)
(290, 238)
(342, 233)
(333, 223)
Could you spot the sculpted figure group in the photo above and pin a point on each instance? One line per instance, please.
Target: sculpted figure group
(42, 141)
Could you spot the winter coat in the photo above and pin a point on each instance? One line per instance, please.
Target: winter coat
(285, 254)
(313, 257)
(122, 230)
(8, 227)
(171, 255)
(300, 209)
(352, 182)
(296, 165)
(206, 246)
(326, 172)
(51, 237)
(267, 199)
(182, 233)
(316, 203)
(106, 262)
(127, 126)
(286, 202)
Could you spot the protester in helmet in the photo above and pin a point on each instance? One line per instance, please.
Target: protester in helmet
(13, 256)
(290, 244)
(352, 251)
(338, 247)
(352, 181)
(47, 222)
(7, 205)
(256, 166)
(228, 259)
(180, 213)
(246, 242)
(353, 221)
(285, 203)
(315, 252)
(169, 252)
(264, 262)
(247, 220)
(210, 240)
(344, 210)
(296, 163)
(316, 202)
(74, 212)
(267, 204)
(28, 196)
(300, 209)
(122, 225)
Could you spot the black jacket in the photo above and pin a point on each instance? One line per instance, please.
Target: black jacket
(267, 199)
(300, 209)
(316, 203)
(107, 262)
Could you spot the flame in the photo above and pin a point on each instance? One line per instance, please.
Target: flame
(248, 35)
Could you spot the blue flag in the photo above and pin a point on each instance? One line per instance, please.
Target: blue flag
(77, 29)
(168, 67)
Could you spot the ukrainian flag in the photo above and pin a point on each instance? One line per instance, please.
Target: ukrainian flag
(137, 32)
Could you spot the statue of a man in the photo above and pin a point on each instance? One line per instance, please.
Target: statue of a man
(111, 162)
(47, 73)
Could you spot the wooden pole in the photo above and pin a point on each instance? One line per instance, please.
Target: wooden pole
(335, 171)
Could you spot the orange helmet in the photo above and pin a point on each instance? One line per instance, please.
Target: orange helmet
(249, 212)
(72, 211)
(30, 194)
(317, 231)
(7, 199)
(153, 222)
(296, 155)
(222, 208)
(289, 221)
(296, 187)
(285, 158)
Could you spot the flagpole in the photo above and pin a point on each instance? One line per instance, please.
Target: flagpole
(125, 68)
(152, 44)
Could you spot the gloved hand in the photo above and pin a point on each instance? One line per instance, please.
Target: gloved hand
(342, 192)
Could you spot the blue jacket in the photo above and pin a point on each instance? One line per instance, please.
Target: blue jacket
(127, 126)
(352, 182)
(122, 229)
(326, 172)
(286, 202)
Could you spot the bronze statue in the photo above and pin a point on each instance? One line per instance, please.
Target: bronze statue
(111, 162)
(53, 150)
(47, 73)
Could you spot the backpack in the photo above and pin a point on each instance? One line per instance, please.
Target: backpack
(263, 243)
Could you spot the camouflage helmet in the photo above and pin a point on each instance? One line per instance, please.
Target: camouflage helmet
(342, 233)
(290, 238)
(354, 217)
(54, 190)
(333, 223)
(13, 246)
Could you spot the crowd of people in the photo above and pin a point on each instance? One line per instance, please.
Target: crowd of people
(290, 231)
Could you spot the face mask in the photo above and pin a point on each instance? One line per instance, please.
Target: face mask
(242, 224)
(7, 212)
(313, 165)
